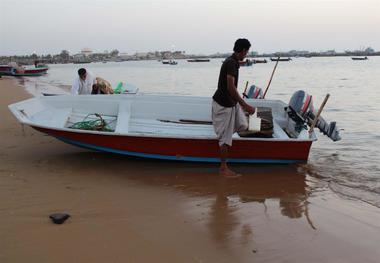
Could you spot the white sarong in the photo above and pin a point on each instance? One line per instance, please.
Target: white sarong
(227, 121)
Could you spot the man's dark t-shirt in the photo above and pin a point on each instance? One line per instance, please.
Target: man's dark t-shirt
(222, 96)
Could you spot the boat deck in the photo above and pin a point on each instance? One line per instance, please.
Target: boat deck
(170, 127)
(123, 124)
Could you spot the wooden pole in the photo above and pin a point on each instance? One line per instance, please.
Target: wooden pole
(270, 80)
(245, 90)
(318, 114)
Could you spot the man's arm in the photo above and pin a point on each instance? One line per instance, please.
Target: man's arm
(236, 96)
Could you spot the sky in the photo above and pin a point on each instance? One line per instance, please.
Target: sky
(195, 26)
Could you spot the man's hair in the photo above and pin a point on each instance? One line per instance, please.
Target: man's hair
(81, 71)
(240, 44)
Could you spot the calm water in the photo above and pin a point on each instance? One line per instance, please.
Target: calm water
(350, 167)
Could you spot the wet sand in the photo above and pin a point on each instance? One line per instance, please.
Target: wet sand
(135, 210)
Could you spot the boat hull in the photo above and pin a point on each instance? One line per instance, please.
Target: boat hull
(185, 149)
(5, 70)
(11, 71)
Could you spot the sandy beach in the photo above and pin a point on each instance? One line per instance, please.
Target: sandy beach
(127, 209)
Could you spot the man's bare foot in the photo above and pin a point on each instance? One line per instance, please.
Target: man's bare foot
(226, 172)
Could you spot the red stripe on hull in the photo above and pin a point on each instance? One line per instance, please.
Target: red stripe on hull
(202, 148)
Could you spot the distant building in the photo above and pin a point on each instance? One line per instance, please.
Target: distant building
(86, 52)
(123, 56)
(329, 52)
(141, 54)
(166, 54)
(80, 58)
(179, 54)
(298, 52)
(151, 55)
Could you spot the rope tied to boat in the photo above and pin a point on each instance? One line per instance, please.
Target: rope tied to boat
(98, 124)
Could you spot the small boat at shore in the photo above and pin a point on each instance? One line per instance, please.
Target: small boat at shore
(5, 70)
(22, 71)
(359, 58)
(280, 59)
(170, 127)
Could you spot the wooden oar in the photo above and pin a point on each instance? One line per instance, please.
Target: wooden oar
(318, 114)
(271, 77)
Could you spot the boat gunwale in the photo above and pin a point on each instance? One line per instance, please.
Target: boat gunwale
(165, 136)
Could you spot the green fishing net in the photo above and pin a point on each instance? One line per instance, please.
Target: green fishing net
(92, 124)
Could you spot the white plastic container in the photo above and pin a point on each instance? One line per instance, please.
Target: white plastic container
(254, 123)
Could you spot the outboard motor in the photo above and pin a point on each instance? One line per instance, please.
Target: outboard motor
(13, 71)
(301, 111)
(254, 92)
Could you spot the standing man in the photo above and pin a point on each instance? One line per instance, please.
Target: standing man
(83, 83)
(227, 106)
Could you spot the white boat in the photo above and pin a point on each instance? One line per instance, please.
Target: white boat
(164, 127)
(169, 62)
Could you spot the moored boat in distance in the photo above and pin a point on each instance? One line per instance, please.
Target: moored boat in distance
(359, 58)
(246, 63)
(280, 59)
(258, 61)
(198, 60)
(167, 127)
(169, 62)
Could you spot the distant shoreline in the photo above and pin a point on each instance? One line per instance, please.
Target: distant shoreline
(30, 60)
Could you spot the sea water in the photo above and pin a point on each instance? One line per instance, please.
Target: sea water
(350, 167)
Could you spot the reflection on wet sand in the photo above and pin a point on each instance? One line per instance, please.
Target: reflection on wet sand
(226, 207)
(38, 87)
(287, 184)
(21, 81)
(229, 199)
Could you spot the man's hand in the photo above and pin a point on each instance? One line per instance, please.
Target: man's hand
(248, 108)
(234, 94)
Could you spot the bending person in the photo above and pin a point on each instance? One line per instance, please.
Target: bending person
(102, 86)
(83, 83)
